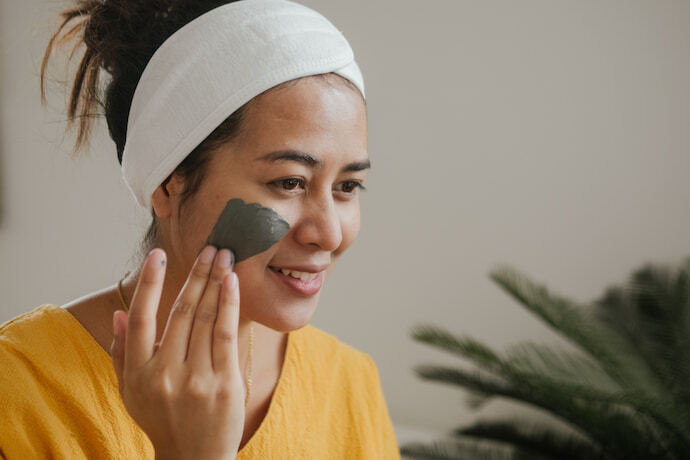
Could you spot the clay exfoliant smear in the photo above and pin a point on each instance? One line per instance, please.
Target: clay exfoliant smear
(247, 229)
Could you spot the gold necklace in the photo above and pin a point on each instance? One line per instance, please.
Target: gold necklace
(248, 363)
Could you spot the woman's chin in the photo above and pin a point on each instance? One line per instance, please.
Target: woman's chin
(288, 317)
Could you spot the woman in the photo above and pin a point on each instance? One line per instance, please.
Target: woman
(192, 356)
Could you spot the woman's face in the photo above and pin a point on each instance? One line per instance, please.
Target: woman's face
(314, 187)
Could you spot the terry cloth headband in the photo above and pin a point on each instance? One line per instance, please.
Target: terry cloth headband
(211, 67)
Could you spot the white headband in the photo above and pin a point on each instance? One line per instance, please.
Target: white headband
(211, 67)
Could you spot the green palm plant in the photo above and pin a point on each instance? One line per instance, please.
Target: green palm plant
(622, 393)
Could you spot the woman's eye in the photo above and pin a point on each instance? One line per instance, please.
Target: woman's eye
(288, 184)
(351, 185)
(295, 183)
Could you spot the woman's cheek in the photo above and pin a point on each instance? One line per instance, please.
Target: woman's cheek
(288, 210)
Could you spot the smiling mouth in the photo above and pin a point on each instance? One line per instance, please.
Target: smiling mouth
(303, 276)
(304, 284)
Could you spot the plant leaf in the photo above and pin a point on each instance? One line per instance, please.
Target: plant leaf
(537, 437)
(468, 449)
(576, 322)
(575, 368)
(465, 347)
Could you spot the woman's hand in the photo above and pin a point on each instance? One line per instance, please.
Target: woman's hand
(186, 392)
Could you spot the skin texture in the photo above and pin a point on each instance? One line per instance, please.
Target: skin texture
(325, 119)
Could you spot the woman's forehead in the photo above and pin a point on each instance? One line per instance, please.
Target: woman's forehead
(322, 123)
(312, 101)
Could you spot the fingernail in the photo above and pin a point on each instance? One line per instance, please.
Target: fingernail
(157, 258)
(224, 258)
(206, 256)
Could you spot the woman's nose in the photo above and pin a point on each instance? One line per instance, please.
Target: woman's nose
(320, 224)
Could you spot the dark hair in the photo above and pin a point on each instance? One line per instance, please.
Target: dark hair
(121, 36)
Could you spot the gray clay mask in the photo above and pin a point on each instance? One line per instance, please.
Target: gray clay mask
(247, 229)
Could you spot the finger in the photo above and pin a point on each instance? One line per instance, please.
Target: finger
(225, 351)
(175, 341)
(141, 324)
(117, 349)
(199, 354)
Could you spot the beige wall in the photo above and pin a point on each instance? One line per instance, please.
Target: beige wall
(549, 135)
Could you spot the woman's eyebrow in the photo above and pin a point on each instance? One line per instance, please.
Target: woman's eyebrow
(309, 160)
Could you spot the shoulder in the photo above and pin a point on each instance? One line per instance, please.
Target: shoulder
(43, 343)
(33, 338)
(29, 352)
(25, 326)
(45, 352)
(59, 391)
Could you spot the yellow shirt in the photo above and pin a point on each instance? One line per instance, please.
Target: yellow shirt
(59, 398)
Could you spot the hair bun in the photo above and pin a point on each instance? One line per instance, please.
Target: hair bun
(118, 36)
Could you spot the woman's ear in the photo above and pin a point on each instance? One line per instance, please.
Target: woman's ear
(167, 196)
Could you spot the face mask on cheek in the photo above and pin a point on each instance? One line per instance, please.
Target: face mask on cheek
(247, 229)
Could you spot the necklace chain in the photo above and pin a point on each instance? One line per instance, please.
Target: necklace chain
(248, 363)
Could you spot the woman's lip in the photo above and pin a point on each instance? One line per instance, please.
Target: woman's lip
(304, 288)
(311, 268)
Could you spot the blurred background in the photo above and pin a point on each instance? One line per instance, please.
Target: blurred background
(551, 136)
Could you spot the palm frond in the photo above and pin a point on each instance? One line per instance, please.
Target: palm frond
(475, 380)
(535, 437)
(437, 450)
(654, 421)
(652, 312)
(623, 394)
(576, 322)
(600, 416)
(468, 449)
(538, 369)
(466, 347)
(532, 358)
